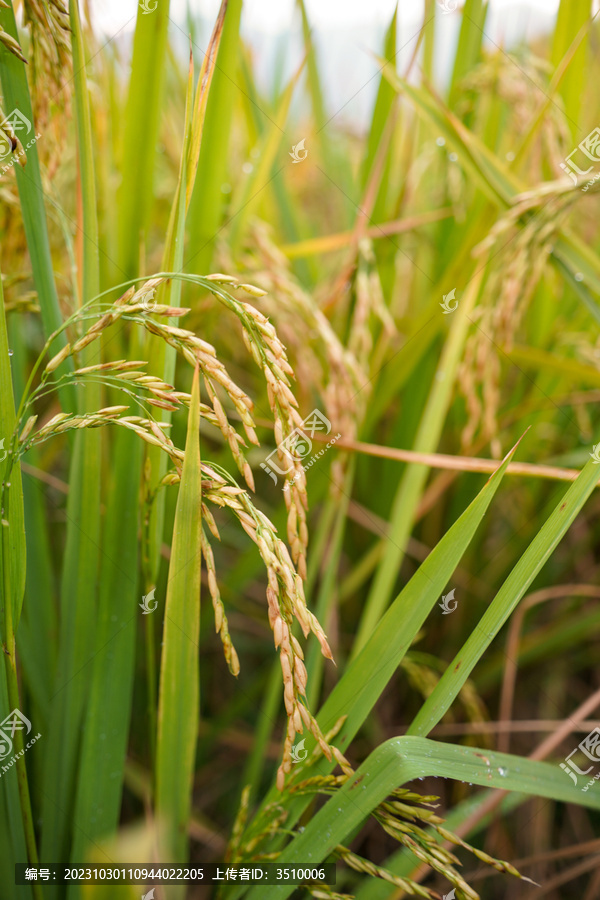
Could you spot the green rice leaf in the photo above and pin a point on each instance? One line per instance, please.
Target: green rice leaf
(81, 561)
(179, 697)
(31, 194)
(164, 357)
(140, 133)
(402, 759)
(505, 601)
(207, 202)
(571, 20)
(367, 675)
(414, 477)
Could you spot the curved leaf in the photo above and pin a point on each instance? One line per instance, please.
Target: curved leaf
(399, 761)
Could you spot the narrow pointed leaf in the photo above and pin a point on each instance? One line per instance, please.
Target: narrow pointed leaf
(401, 760)
(505, 601)
(179, 698)
(81, 563)
(367, 675)
(207, 201)
(140, 133)
(16, 95)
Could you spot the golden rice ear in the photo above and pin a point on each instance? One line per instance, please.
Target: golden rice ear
(520, 256)
(13, 47)
(285, 569)
(221, 623)
(337, 373)
(50, 68)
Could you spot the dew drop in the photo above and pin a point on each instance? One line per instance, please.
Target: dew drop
(452, 157)
(578, 276)
(10, 352)
(502, 772)
(440, 141)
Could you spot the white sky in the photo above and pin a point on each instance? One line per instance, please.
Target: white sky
(348, 33)
(276, 15)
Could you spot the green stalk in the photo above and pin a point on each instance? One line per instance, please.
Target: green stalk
(13, 563)
(208, 201)
(13, 847)
(38, 623)
(140, 134)
(16, 95)
(250, 192)
(164, 357)
(14, 702)
(571, 20)
(112, 678)
(151, 681)
(265, 723)
(413, 480)
(100, 783)
(179, 699)
(468, 51)
(80, 568)
(328, 593)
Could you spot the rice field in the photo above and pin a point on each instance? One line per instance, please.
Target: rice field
(299, 452)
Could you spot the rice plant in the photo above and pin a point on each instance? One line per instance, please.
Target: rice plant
(299, 454)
